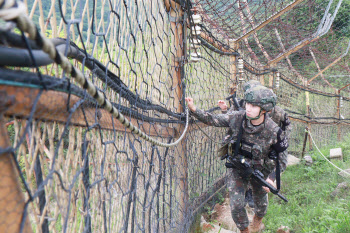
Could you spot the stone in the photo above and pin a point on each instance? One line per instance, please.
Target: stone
(342, 187)
(345, 173)
(214, 227)
(336, 153)
(221, 219)
(308, 160)
(292, 160)
(283, 229)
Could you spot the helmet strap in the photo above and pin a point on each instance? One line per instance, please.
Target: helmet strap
(254, 118)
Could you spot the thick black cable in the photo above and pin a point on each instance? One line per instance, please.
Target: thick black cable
(21, 57)
(215, 50)
(28, 79)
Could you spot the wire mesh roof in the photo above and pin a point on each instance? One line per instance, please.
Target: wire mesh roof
(304, 37)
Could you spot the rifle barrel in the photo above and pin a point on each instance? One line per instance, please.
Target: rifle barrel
(282, 197)
(263, 182)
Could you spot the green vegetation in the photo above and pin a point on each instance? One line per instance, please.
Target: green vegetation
(313, 207)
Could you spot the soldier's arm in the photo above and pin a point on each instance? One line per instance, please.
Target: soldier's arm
(221, 120)
(283, 165)
(232, 109)
(281, 141)
(286, 126)
(280, 146)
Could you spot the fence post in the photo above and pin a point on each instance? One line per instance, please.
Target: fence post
(271, 78)
(307, 100)
(178, 27)
(262, 79)
(233, 69)
(12, 200)
(338, 116)
(305, 139)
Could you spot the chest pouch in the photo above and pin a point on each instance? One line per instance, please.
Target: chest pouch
(246, 149)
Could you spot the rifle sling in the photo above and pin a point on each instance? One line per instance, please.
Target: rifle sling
(278, 173)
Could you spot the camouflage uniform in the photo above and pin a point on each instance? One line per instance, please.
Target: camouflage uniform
(232, 109)
(277, 114)
(280, 117)
(258, 141)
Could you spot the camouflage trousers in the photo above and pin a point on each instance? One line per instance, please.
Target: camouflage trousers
(237, 187)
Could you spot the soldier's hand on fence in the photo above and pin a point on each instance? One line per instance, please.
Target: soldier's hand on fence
(222, 104)
(190, 104)
(271, 182)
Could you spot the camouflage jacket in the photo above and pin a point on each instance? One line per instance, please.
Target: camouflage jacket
(278, 115)
(281, 118)
(256, 140)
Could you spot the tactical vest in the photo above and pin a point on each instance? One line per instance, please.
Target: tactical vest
(256, 142)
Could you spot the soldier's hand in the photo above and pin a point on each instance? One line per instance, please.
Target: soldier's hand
(222, 104)
(190, 104)
(268, 180)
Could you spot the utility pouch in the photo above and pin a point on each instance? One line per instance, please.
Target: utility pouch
(223, 150)
(226, 149)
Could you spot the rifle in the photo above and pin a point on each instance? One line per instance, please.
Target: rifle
(235, 101)
(247, 171)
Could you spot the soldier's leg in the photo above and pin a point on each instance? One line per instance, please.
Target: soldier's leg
(249, 197)
(260, 199)
(237, 187)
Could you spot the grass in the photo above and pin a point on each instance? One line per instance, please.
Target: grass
(311, 207)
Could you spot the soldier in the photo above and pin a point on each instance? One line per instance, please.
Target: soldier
(223, 106)
(279, 116)
(259, 135)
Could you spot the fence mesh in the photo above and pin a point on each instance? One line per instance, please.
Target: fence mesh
(71, 166)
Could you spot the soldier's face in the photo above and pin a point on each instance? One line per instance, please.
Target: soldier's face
(252, 110)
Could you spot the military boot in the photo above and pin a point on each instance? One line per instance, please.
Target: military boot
(256, 225)
(245, 230)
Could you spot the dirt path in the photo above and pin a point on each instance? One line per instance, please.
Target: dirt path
(221, 218)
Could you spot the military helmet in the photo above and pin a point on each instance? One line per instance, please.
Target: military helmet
(261, 96)
(250, 84)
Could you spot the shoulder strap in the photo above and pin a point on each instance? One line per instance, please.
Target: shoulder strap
(239, 137)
